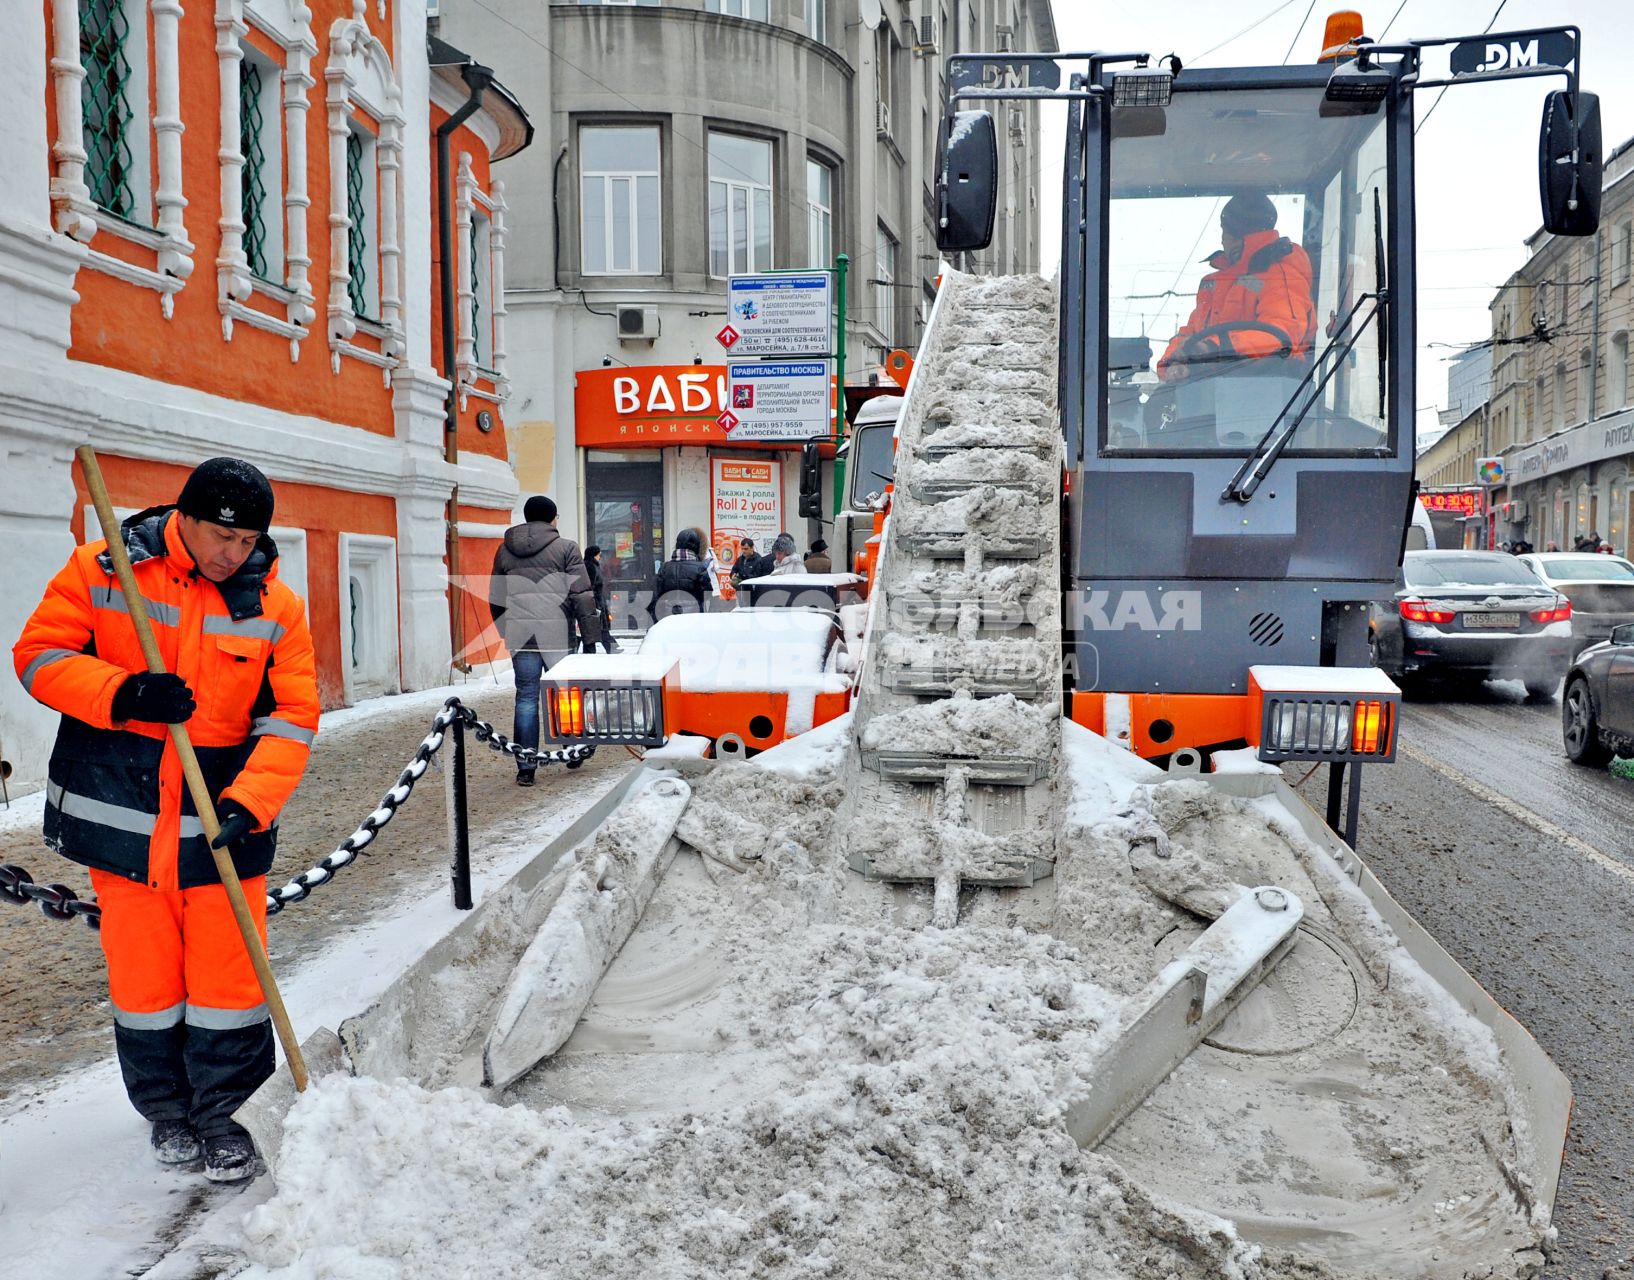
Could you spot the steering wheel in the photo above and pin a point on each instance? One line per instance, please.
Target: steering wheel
(1208, 344)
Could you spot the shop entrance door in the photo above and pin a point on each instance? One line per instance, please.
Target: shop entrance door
(625, 501)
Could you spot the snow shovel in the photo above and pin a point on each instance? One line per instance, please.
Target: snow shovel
(190, 768)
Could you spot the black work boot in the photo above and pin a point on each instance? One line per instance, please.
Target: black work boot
(230, 1158)
(174, 1142)
(524, 777)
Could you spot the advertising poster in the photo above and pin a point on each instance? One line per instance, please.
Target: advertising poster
(746, 500)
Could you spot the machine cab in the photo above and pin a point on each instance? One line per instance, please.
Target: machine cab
(1241, 377)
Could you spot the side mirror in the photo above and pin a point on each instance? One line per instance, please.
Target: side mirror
(1623, 634)
(967, 183)
(1569, 164)
(811, 481)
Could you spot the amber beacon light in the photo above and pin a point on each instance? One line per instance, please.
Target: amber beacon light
(1325, 713)
(609, 699)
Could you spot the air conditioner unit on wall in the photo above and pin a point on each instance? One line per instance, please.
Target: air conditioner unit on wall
(882, 117)
(637, 324)
(924, 36)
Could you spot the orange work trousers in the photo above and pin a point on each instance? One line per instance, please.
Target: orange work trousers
(176, 955)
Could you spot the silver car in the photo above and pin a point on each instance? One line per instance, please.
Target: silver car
(1601, 589)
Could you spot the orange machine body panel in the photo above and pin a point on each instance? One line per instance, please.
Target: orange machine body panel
(1196, 719)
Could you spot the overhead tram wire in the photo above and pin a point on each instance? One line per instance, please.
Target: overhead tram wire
(1310, 9)
(1442, 93)
(1257, 22)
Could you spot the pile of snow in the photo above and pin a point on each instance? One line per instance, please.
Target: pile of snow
(999, 726)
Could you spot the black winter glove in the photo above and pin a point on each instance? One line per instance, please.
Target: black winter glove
(236, 823)
(159, 698)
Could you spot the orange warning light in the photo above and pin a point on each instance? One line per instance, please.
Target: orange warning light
(1339, 40)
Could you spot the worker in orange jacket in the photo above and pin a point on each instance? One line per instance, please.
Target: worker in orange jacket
(1260, 289)
(193, 1035)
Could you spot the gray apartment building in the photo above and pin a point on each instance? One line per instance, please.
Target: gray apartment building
(1561, 414)
(683, 141)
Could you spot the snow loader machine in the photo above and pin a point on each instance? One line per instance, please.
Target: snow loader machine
(1113, 585)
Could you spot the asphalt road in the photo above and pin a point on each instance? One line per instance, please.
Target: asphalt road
(1522, 866)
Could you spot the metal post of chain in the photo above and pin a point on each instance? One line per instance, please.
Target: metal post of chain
(459, 821)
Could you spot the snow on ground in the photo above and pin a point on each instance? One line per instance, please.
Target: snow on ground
(77, 1202)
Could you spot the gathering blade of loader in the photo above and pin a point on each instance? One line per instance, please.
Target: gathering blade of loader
(1183, 1006)
(600, 905)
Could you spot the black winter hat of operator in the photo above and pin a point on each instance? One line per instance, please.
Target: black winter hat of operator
(228, 491)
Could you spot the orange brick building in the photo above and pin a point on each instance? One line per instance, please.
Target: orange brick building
(219, 233)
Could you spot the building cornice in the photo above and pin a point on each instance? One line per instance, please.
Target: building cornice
(663, 13)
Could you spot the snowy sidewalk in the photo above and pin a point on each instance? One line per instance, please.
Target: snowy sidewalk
(80, 1194)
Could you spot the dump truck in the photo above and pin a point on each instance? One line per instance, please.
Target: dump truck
(1013, 800)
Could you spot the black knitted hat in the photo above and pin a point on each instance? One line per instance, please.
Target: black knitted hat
(228, 491)
(539, 509)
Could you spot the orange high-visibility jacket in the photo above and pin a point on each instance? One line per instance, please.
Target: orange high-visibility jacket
(115, 796)
(1270, 284)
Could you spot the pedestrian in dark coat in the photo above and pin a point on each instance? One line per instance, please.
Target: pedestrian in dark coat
(683, 580)
(817, 559)
(538, 592)
(598, 586)
(747, 565)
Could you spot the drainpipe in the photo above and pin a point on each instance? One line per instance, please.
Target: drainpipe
(477, 78)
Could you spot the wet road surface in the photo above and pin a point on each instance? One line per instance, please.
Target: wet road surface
(1521, 864)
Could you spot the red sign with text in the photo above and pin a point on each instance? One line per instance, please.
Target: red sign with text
(1464, 502)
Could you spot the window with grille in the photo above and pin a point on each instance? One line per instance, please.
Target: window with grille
(361, 286)
(253, 174)
(620, 219)
(481, 299)
(740, 204)
(819, 214)
(105, 95)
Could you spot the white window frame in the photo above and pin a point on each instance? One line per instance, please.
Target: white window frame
(285, 111)
(360, 76)
(817, 20)
(1617, 371)
(887, 249)
(1622, 243)
(820, 216)
(632, 176)
(486, 283)
(372, 559)
(154, 34)
(369, 168)
(740, 9)
(731, 185)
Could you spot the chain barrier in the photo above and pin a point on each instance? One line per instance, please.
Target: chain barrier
(61, 903)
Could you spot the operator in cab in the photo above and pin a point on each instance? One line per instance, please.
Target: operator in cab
(1255, 303)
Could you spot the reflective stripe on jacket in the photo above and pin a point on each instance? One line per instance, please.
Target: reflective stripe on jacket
(116, 798)
(1269, 284)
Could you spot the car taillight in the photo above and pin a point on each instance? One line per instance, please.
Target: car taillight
(1562, 612)
(1422, 611)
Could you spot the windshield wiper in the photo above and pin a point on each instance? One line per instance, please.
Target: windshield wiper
(1264, 455)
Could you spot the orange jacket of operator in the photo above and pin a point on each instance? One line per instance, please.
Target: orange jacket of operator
(1269, 284)
(116, 798)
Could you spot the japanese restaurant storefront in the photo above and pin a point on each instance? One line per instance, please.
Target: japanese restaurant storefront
(654, 460)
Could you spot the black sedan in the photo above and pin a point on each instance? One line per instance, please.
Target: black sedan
(1597, 709)
(1477, 614)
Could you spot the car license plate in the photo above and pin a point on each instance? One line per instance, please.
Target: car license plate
(1492, 621)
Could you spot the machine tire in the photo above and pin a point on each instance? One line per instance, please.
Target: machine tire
(1579, 729)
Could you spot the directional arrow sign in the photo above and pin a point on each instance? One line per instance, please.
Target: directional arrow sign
(727, 420)
(727, 337)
